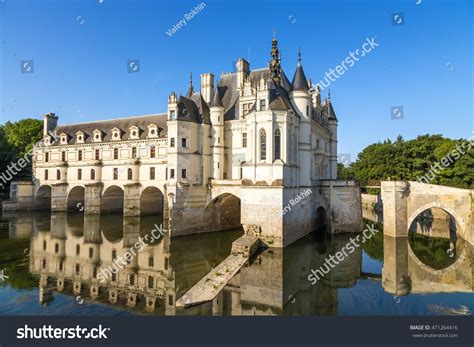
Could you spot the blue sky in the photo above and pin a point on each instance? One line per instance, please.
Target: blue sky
(80, 51)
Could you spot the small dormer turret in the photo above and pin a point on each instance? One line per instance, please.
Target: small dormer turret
(97, 135)
(153, 131)
(134, 133)
(116, 134)
(80, 137)
(64, 138)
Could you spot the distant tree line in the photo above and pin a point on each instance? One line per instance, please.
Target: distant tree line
(16, 139)
(409, 160)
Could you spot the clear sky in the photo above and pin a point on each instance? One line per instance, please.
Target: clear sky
(80, 48)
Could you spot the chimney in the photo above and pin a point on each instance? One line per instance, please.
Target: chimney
(242, 66)
(207, 86)
(50, 122)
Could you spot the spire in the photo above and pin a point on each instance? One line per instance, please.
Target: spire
(274, 65)
(331, 113)
(190, 89)
(299, 79)
(216, 99)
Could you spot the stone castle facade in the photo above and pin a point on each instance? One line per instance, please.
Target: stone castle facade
(235, 152)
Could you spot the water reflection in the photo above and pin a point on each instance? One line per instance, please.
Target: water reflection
(68, 251)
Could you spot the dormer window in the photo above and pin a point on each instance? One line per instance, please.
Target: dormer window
(80, 137)
(152, 131)
(97, 135)
(47, 140)
(116, 134)
(64, 138)
(134, 133)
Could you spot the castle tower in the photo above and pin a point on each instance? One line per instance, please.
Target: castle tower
(302, 101)
(332, 121)
(217, 133)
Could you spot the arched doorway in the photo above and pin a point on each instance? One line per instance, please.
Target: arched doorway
(112, 200)
(224, 211)
(151, 202)
(43, 198)
(75, 199)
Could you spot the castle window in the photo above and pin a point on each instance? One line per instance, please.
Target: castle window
(97, 135)
(218, 140)
(115, 173)
(92, 174)
(183, 173)
(78, 249)
(166, 263)
(170, 300)
(63, 156)
(152, 173)
(152, 132)
(114, 277)
(46, 175)
(61, 265)
(132, 279)
(46, 157)
(129, 174)
(44, 245)
(172, 142)
(307, 110)
(244, 140)
(277, 144)
(173, 115)
(97, 154)
(94, 272)
(80, 156)
(114, 254)
(116, 153)
(171, 173)
(151, 261)
(262, 104)
(263, 145)
(166, 174)
(152, 152)
(317, 143)
(58, 175)
(183, 142)
(134, 152)
(56, 248)
(77, 269)
(44, 263)
(91, 252)
(79, 174)
(150, 282)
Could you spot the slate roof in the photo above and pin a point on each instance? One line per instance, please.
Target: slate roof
(123, 124)
(299, 79)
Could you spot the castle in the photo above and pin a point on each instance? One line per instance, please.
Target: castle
(234, 153)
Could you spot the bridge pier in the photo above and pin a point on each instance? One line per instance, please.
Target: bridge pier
(131, 200)
(395, 276)
(59, 197)
(92, 197)
(394, 197)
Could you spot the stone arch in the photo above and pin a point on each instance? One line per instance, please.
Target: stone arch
(151, 201)
(75, 199)
(42, 199)
(224, 211)
(112, 200)
(458, 219)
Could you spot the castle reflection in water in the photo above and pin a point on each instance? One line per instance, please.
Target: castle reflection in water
(68, 250)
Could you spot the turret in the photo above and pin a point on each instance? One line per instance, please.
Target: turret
(217, 133)
(302, 101)
(332, 123)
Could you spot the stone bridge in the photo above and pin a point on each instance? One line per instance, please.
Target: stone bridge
(404, 201)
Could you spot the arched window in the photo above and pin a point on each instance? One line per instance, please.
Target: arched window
(130, 174)
(92, 174)
(277, 144)
(263, 144)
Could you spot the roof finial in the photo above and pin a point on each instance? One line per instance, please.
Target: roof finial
(190, 89)
(329, 94)
(299, 55)
(274, 33)
(191, 78)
